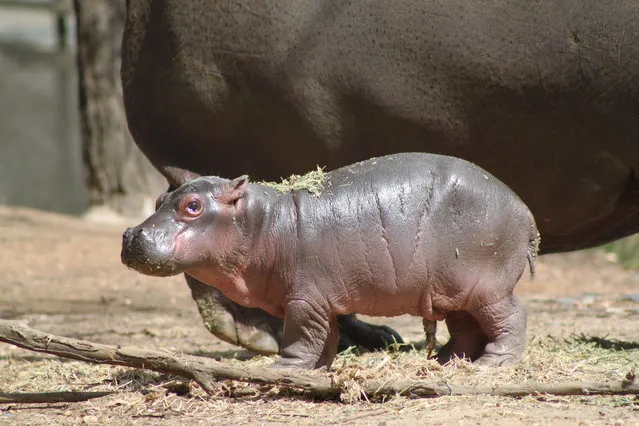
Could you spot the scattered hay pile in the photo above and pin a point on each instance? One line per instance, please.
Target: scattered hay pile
(547, 360)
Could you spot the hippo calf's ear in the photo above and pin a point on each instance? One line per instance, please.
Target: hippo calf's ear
(161, 199)
(178, 177)
(234, 190)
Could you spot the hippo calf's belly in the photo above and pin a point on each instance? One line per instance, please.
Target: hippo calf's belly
(449, 271)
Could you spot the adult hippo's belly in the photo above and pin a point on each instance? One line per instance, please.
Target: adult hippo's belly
(544, 95)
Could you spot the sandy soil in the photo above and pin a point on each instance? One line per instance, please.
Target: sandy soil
(63, 275)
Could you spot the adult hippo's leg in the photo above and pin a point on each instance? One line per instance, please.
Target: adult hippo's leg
(260, 332)
(355, 332)
(250, 328)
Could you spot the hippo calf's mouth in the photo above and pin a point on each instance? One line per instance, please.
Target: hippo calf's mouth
(148, 267)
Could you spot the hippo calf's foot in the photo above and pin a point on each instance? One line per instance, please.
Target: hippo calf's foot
(310, 337)
(491, 336)
(467, 339)
(504, 324)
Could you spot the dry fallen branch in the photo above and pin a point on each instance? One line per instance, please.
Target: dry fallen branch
(50, 397)
(207, 371)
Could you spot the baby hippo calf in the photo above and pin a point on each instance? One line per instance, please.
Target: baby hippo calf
(418, 234)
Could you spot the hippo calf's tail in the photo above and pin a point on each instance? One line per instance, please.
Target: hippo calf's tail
(533, 244)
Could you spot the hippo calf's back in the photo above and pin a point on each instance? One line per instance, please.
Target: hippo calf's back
(411, 233)
(416, 234)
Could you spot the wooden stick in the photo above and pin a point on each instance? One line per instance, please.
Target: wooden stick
(423, 389)
(49, 397)
(206, 371)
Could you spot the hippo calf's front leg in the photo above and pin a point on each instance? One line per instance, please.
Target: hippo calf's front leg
(310, 337)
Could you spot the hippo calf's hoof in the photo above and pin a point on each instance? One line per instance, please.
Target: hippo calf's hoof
(491, 360)
(295, 364)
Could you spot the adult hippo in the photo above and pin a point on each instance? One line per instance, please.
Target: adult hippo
(544, 95)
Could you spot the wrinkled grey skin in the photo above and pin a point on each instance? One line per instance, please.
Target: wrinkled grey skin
(544, 95)
(426, 235)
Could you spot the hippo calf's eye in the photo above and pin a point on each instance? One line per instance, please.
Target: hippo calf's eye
(192, 207)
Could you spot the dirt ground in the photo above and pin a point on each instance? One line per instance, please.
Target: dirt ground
(64, 276)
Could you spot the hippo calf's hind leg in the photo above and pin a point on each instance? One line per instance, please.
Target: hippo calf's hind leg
(467, 339)
(504, 324)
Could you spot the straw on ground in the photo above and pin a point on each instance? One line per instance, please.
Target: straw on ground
(208, 372)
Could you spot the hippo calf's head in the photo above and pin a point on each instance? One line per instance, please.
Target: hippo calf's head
(192, 226)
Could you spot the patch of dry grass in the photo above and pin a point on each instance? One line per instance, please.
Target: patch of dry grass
(547, 360)
(312, 181)
(625, 251)
(151, 397)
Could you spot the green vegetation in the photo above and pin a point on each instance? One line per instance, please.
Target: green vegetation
(626, 251)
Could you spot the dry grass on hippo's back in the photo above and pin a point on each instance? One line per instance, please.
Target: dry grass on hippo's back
(312, 181)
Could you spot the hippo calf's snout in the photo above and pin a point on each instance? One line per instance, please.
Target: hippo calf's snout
(147, 251)
(135, 244)
(129, 235)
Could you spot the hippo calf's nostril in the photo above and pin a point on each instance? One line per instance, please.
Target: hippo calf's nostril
(133, 234)
(127, 236)
(143, 237)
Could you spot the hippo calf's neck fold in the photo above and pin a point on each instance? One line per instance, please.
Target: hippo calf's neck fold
(426, 235)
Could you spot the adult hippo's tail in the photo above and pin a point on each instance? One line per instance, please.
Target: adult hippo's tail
(533, 244)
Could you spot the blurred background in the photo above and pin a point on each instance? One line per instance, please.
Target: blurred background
(64, 144)
(40, 152)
